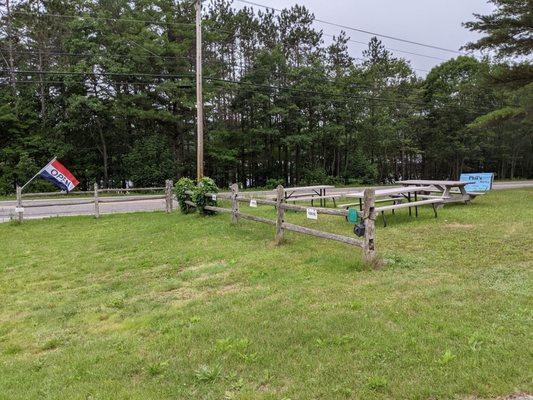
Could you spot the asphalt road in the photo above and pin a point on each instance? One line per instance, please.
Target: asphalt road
(144, 203)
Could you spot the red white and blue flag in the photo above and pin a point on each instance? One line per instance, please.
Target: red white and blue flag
(59, 175)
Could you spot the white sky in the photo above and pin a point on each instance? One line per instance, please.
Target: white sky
(435, 22)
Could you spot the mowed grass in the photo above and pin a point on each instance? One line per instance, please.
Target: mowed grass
(155, 306)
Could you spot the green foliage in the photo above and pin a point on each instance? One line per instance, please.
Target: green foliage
(180, 188)
(150, 162)
(204, 186)
(206, 374)
(301, 112)
(273, 183)
(507, 29)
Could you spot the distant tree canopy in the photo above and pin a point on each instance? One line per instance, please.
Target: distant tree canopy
(108, 87)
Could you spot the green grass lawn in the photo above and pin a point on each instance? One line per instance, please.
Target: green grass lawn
(155, 306)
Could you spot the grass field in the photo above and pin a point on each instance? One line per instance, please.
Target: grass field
(155, 306)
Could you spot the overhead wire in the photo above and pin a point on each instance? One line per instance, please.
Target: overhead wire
(356, 29)
(113, 19)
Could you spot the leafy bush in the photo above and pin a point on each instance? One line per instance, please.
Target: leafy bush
(182, 186)
(206, 185)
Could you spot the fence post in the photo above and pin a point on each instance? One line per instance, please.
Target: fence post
(369, 217)
(170, 195)
(280, 198)
(96, 203)
(19, 204)
(234, 203)
(167, 204)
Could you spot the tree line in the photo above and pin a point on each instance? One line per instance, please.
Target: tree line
(109, 88)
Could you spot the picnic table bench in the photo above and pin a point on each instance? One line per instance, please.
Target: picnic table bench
(451, 191)
(310, 193)
(397, 197)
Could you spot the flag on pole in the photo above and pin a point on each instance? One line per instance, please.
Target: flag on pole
(59, 175)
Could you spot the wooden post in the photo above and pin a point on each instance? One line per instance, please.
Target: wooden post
(96, 205)
(280, 199)
(234, 203)
(199, 95)
(167, 205)
(19, 204)
(170, 195)
(369, 217)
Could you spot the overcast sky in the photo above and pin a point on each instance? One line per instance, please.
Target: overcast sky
(435, 22)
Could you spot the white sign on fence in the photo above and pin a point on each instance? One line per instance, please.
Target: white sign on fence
(214, 197)
(253, 203)
(19, 209)
(312, 214)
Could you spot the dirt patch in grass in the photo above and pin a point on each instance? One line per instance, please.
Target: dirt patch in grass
(517, 396)
(456, 225)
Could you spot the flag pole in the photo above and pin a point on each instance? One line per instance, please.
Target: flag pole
(37, 174)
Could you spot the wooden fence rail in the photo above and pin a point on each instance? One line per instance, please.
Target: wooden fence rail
(97, 200)
(368, 217)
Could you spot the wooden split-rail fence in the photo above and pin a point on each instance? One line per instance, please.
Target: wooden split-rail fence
(97, 199)
(368, 217)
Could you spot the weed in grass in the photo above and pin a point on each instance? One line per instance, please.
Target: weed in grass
(377, 383)
(206, 373)
(12, 349)
(475, 342)
(52, 344)
(355, 305)
(157, 368)
(447, 357)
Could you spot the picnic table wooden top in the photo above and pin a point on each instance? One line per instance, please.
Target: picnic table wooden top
(425, 182)
(388, 192)
(302, 188)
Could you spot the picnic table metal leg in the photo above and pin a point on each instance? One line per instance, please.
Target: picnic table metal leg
(360, 204)
(416, 208)
(409, 200)
(434, 210)
(384, 219)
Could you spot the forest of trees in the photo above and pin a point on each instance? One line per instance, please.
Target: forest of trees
(108, 87)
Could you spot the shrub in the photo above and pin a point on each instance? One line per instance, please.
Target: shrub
(182, 186)
(206, 185)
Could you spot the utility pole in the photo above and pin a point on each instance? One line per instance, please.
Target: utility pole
(199, 97)
(10, 45)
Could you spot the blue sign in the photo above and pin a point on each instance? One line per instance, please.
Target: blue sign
(482, 182)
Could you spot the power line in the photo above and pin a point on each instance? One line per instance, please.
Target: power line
(136, 83)
(304, 91)
(392, 49)
(361, 30)
(337, 97)
(30, 72)
(68, 54)
(344, 98)
(57, 15)
(209, 78)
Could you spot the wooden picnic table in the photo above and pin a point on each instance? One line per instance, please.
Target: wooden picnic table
(308, 192)
(396, 196)
(445, 188)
